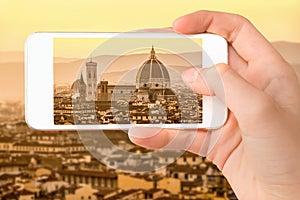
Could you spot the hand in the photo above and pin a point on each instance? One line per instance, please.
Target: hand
(258, 150)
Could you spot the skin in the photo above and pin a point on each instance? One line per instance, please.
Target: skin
(258, 148)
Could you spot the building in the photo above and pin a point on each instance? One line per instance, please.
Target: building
(51, 185)
(62, 90)
(86, 192)
(29, 147)
(96, 179)
(79, 89)
(151, 100)
(153, 81)
(153, 74)
(13, 167)
(127, 182)
(50, 142)
(6, 144)
(107, 92)
(91, 80)
(103, 94)
(19, 195)
(188, 158)
(53, 137)
(148, 182)
(128, 195)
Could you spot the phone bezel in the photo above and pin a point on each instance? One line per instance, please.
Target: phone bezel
(39, 80)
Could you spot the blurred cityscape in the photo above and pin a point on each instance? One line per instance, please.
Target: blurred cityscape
(38, 165)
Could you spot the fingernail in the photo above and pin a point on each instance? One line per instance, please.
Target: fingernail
(141, 132)
(190, 75)
(176, 22)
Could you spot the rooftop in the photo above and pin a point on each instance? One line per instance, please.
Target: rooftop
(88, 173)
(6, 140)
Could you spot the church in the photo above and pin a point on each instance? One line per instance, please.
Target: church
(153, 101)
(153, 81)
(150, 100)
(152, 84)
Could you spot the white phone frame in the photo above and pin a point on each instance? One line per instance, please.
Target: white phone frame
(39, 80)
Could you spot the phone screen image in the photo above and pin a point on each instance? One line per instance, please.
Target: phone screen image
(125, 81)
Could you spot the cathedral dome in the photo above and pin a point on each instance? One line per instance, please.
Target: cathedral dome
(79, 89)
(78, 84)
(153, 74)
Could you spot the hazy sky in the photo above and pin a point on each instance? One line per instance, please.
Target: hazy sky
(278, 20)
(87, 47)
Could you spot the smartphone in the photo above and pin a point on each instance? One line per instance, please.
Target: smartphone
(119, 80)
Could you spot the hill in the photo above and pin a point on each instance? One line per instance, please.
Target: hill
(12, 68)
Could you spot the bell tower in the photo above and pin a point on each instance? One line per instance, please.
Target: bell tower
(91, 80)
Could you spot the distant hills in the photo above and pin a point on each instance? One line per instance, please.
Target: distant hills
(120, 67)
(12, 68)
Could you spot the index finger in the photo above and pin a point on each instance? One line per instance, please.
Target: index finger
(237, 30)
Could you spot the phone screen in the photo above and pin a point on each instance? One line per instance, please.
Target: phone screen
(125, 81)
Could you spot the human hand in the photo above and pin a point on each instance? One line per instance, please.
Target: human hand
(258, 148)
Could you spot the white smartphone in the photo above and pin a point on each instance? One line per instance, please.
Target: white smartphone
(119, 80)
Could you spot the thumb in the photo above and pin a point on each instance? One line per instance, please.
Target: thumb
(239, 95)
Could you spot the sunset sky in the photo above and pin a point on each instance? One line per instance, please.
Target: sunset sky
(277, 20)
(86, 47)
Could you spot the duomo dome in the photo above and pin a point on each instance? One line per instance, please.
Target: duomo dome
(153, 74)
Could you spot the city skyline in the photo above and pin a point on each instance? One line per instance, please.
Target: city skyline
(52, 164)
(155, 95)
(19, 20)
(68, 174)
(12, 68)
(76, 67)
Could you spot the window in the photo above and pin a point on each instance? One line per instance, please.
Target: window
(186, 176)
(90, 75)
